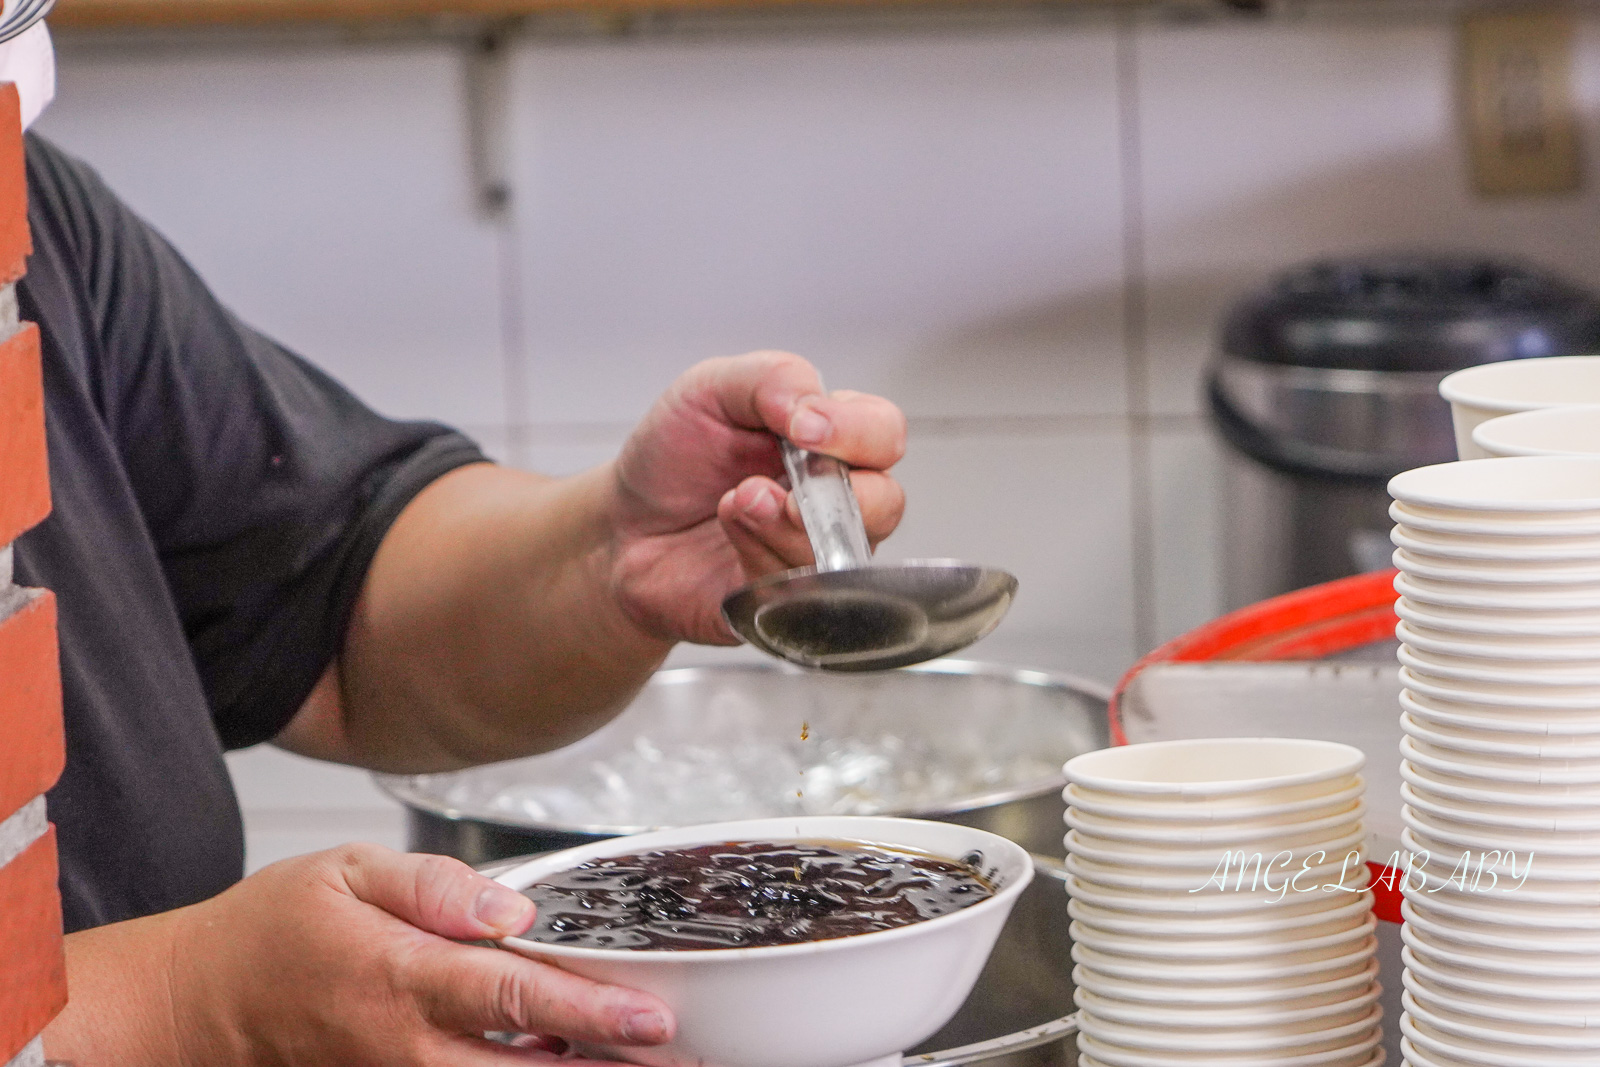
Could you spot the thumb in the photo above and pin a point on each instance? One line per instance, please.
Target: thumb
(434, 893)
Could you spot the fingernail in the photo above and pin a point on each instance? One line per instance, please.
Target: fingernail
(504, 909)
(764, 506)
(809, 427)
(644, 1028)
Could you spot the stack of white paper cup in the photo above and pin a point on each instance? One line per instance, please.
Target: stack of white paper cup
(1500, 657)
(1479, 394)
(1220, 905)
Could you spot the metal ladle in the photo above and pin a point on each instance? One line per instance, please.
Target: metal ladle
(848, 613)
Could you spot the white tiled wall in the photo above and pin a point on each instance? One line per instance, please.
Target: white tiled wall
(954, 219)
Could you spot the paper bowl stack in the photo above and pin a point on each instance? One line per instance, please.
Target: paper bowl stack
(1181, 961)
(1500, 654)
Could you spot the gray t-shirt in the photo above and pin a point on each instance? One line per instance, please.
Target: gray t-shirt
(217, 503)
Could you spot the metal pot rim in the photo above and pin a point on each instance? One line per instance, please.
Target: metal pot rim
(399, 788)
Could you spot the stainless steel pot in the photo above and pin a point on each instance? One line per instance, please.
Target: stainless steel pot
(991, 740)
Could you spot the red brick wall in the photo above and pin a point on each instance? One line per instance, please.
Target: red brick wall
(33, 984)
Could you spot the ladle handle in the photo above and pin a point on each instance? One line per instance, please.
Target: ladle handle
(828, 508)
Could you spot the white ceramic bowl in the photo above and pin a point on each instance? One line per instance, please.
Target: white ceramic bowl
(835, 1003)
(1569, 430)
(1478, 394)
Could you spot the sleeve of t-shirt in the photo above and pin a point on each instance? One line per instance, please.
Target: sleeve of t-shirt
(266, 485)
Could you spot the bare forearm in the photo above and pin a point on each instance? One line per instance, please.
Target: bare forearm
(485, 630)
(121, 1012)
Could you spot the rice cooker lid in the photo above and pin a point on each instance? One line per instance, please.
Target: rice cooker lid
(1411, 312)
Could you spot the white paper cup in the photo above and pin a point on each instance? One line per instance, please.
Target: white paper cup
(1183, 834)
(1559, 994)
(1500, 743)
(1318, 851)
(1524, 524)
(1509, 817)
(1500, 768)
(1535, 940)
(1496, 547)
(1584, 674)
(1272, 945)
(1210, 994)
(1343, 1053)
(1491, 910)
(1492, 961)
(1465, 836)
(1452, 849)
(1483, 1033)
(1550, 486)
(1318, 966)
(1517, 723)
(1336, 1011)
(1569, 430)
(1200, 884)
(1349, 909)
(1532, 699)
(1503, 571)
(1499, 598)
(1199, 810)
(1497, 1010)
(1213, 903)
(1558, 625)
(1259, 769)
(1343, 1060)
(1478, 394)
(1578, 801)
(1535, 651)
(1531, 576)
(1284, 1039)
